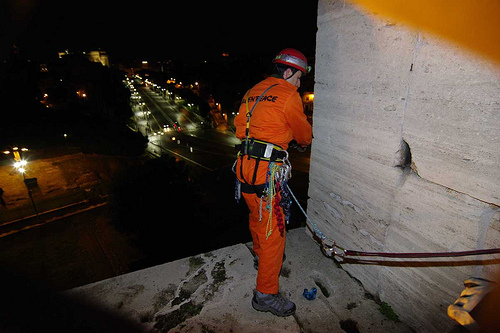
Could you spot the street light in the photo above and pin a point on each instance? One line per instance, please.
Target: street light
(20, 165)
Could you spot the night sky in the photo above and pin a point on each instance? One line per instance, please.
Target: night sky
(129, 30)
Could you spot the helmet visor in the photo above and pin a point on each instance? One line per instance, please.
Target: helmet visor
(290, 60)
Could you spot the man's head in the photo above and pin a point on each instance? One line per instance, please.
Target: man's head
(291, 64)
(288, 73)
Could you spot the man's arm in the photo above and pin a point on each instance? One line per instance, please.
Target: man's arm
(297, 120)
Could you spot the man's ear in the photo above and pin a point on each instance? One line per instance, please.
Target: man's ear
(287, 74)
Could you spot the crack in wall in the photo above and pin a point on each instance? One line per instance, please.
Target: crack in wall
(416, 48)
(403, 157)
(455, 190)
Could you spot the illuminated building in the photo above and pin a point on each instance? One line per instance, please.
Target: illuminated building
(93, 56)
(99, 56)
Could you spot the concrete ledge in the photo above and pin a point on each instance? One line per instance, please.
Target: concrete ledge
(213, 292)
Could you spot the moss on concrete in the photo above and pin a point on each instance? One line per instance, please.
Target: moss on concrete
(170, 320)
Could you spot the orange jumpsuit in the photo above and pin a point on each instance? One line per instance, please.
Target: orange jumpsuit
(278, 118)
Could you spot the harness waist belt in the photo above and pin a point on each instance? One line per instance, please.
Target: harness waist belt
(261, 150)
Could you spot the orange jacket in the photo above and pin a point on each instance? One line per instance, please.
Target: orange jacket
(278, 118)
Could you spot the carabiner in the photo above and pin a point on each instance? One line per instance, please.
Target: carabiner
(332, 250)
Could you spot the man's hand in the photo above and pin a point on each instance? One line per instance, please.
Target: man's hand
(295, 145)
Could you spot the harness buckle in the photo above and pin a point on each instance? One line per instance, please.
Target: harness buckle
(269, 150)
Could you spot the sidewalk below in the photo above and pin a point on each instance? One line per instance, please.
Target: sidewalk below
(212, 292)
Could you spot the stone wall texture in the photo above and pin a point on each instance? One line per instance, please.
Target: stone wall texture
(384, 91)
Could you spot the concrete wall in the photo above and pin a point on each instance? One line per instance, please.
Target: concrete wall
(379, 85)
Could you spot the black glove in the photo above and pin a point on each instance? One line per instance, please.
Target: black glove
(294, 144)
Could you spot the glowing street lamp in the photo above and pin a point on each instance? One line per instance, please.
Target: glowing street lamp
(20, 165)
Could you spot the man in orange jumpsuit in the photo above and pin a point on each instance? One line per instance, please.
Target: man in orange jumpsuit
(270, 116)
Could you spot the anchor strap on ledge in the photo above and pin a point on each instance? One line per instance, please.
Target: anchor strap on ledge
(330, 248)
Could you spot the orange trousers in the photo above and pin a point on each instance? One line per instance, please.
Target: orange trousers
(270, 251)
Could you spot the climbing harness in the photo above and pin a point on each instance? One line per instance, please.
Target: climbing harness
(257, 149)
(274, 192)
(331, 249)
